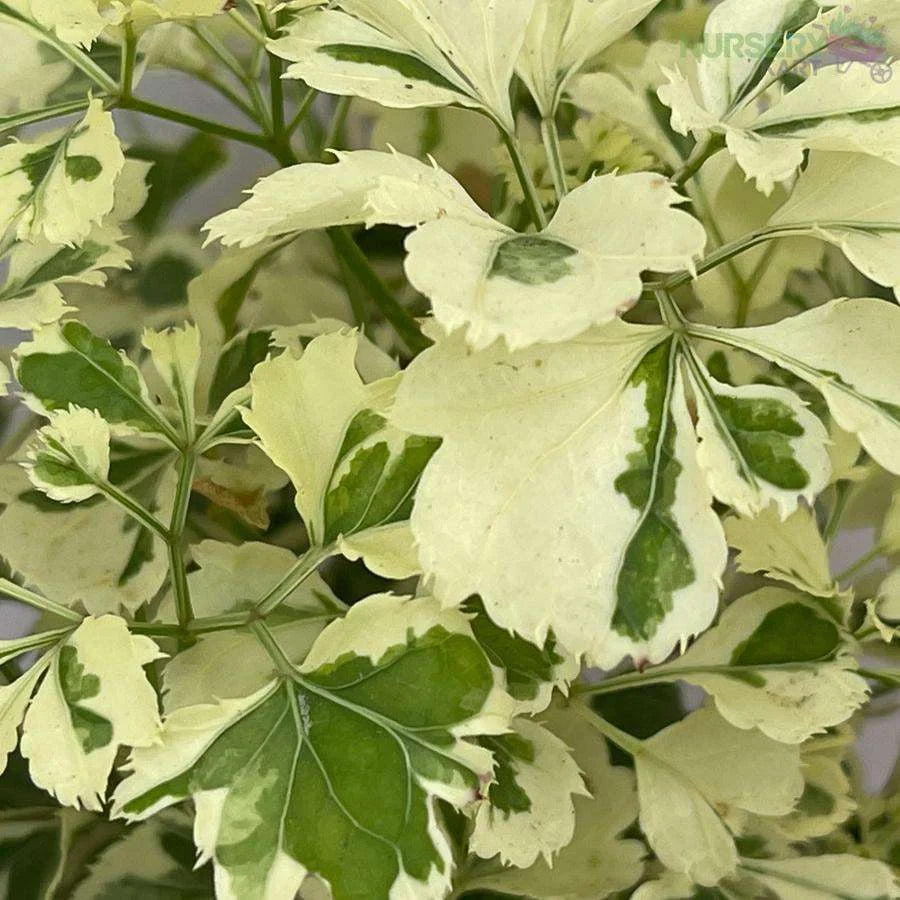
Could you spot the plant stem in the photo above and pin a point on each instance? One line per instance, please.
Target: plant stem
(860, 564)
(335, 130)
(264, 142)
(246, 27)
(532, 201)
(700, 154)
(23, 595)
(841, 499)
(295, 576)
(889, 678)
(273, 648)
(404, 323)
(17, 120)
(129, 54)
(10, 649)
(139, 513)
(628, 742)
(303, 110)
(178, 570)
(550, 137)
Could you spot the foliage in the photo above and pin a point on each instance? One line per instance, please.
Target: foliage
(543, 373)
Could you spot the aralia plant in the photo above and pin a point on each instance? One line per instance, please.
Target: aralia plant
(500, 499)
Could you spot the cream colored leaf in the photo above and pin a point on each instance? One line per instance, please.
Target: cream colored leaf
(815, 877)
(839, 349)
(584, 421)
(362, 186)
(14, 698)
(563, 35)
(597, 862)
(692, 774)
(776, 662)
(890, 527)
(790, 550)
(59, 188)
(582, 270)
(176, 357)
(94, 698)
(72, 456)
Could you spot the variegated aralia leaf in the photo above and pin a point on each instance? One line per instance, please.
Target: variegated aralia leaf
(92, 553)
(799, 878)
(582, 270)
(851, 201)
(563, 35)
(93, 699)
(72, 456)
(363, 186)
(884, 609)
(82, 21)
(406, 53)
(532, 671)
(529, 811)
(694, 775)
(841, 350)
(758, 444)
(27, 77)
(31, 293)
(790, 550)
(566, 492)
(838, 108)
(333, 770)
(59, 188)
(153, 859)
(318, 421)
(778, 662)
(175, 354)
(67, 365)
(597, 862)
(232, 664)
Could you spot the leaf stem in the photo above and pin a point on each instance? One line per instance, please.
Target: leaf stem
(177, 567)
(273, 648)
(292, 579)
(139, 513)
(550, 137)
(263, 141)
(335, 130)
(357, 262)
(10, 649)
(129, 55)
(303, 110)
(23, 595)
(17, 120)
(841, 499)
(628, 742)
(860, 564)
(700, 154)
(532, 200)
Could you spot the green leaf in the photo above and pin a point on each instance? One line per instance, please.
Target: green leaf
(532, 672)
(839, 349)
(59, 188)
(94, 697)
(529, 810)
(67, 365)
(530, 504)
(598, 861)
(354, 746)
(759, 445)
(72, 457)
(318, 421)
(776, 661)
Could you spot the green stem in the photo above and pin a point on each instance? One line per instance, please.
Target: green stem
(273, 648)
(550, 137)
(276, 95)
(860, 564)
(334, 137)
(842, 497)
(23, 595)
(888, 678)
(264, 142)
(700, 154)
(303, 110)
(15, 648)
(177, 567)
(18, 120)
(139, 513)
(293, 578)
(246, 27)
(532, 200)
(129, 55)
(629, 743)
(404, 323)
